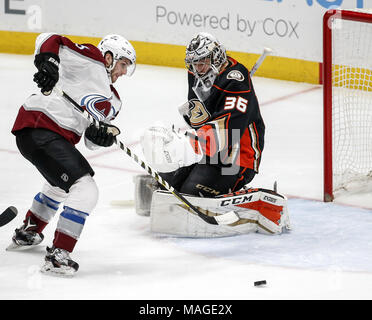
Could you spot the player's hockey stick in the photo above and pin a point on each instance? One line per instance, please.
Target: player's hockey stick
(226, 218)
(265, 53)
(8, 215)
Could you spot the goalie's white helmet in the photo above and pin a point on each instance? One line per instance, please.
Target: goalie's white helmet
(120, 48)
(203, 46)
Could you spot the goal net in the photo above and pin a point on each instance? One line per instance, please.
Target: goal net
(347, 70)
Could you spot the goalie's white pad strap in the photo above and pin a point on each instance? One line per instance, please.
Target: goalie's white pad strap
(227, 218)
(268, 214)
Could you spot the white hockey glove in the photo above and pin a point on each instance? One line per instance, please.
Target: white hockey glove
(167, 150)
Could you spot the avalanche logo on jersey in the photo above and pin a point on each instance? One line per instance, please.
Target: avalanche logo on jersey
(98, 106)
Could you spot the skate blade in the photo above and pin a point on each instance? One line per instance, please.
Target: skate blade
(65, 272)
(15, 247)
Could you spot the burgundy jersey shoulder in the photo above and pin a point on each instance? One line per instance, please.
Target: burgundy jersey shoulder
(53, 43)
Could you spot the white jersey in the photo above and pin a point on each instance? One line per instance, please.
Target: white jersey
(83, 76)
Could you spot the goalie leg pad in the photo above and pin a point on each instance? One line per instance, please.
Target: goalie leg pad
(170, 216)
(272, 208)
(144, 186)
(259, 210)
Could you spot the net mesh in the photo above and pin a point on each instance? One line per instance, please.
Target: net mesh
(352, 102)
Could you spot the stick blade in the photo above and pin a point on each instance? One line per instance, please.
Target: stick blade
(122, 203)
(8, 215)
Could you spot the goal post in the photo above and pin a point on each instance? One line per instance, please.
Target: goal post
(347, 99)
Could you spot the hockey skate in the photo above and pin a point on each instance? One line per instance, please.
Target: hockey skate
(25, 237)
(59, 263)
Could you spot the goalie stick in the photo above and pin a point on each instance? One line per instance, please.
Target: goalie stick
(122, 203)
(266, 52)
(226, 218)
(8, 215)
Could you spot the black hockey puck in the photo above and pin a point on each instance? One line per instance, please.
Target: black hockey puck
(8, 215)
(259, 283)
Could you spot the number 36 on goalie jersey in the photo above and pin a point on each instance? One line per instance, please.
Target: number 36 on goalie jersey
(236, 102)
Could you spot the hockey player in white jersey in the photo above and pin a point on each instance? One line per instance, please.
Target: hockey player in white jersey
(47, 128)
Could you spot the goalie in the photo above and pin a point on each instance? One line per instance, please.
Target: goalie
(221, 151)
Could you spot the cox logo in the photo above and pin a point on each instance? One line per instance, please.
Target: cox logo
(328, 4)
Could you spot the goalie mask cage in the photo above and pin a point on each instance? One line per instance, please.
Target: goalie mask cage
(347, 99)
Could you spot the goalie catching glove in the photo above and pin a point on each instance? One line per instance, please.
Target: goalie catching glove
(167, 150)
(103, 135)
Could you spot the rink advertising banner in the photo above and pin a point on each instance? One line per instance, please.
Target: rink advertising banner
(161, 29)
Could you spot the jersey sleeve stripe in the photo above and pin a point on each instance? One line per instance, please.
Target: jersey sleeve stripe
(234, 92)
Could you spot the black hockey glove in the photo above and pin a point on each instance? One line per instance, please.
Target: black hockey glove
(104, 135)
(46, 78)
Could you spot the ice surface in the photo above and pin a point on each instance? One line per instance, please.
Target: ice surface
(328, 255)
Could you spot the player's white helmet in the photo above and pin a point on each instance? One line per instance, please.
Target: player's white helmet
(120, 48)
(202, 46)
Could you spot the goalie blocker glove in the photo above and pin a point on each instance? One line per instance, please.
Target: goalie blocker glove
(103, 135)
(47, 64)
